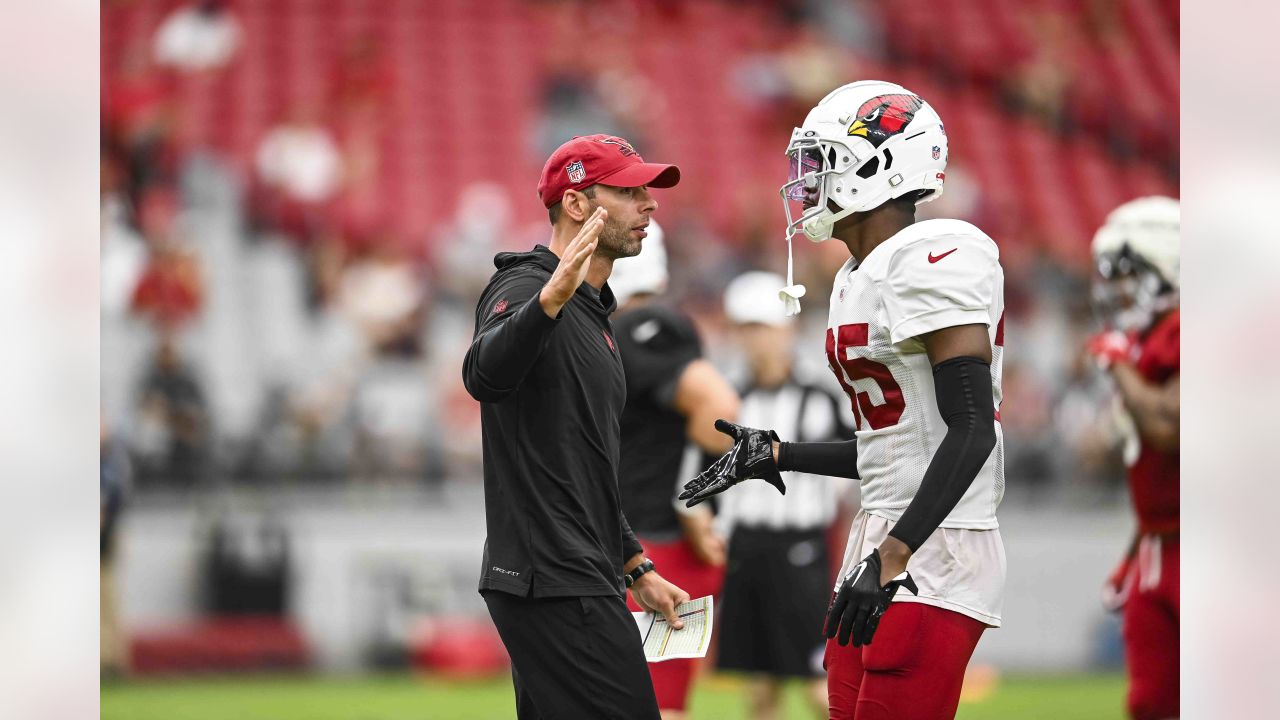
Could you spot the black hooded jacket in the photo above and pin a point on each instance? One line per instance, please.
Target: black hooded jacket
(551, 394)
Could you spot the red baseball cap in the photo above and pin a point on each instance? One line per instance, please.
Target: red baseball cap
(590, 159)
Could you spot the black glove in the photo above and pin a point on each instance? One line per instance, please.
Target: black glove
(860, 601)
(750, 457)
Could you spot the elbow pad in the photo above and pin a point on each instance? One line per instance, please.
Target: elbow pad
(962, 387)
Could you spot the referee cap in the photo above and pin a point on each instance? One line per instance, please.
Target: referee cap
(753, 298)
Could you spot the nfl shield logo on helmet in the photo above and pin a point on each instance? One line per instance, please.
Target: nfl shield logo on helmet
(577, 173)
(937, 152)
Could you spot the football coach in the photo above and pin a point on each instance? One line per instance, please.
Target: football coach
(546, 370)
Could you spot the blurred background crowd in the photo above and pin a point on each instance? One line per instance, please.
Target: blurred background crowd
(301, 200)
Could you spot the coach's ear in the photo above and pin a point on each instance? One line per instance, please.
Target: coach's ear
(577, 205)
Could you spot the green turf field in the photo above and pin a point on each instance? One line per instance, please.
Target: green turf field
(401, 697)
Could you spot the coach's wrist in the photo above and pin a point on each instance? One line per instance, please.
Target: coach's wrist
(551, 304)
(633, 562)
(641, 571)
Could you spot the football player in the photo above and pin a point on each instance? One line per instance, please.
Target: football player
(914, 337)
(1136, 292)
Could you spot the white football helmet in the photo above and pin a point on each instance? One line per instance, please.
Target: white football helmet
(644, 273)
(864, 144)
(1136, 253)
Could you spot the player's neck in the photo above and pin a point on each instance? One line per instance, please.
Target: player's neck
(866, 231)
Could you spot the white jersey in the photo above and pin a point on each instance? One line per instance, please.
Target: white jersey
(931, 275)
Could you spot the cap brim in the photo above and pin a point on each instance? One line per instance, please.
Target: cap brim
(651, 174)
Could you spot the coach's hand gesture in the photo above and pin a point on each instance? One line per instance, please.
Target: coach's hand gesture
(654, 594)
(574, 263)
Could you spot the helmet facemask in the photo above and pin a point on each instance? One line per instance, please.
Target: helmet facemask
(812, 168)
(1129, 293)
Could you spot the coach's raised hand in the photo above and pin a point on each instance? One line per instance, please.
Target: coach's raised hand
(752, 456)
(574, 263)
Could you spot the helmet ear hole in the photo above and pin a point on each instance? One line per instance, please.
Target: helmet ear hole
(871, 167)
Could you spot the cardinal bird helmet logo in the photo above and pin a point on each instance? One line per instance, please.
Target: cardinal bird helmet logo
(884, 116)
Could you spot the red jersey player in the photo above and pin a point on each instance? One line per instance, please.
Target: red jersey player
(1136, 252)
(914, 337)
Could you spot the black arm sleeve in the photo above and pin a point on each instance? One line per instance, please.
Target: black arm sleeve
(511, 332)
(963, 389)
(834, 459)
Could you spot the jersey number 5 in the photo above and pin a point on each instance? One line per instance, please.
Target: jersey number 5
(878, 416)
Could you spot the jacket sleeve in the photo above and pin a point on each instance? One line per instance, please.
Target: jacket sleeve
(511, 333)
(630, 545)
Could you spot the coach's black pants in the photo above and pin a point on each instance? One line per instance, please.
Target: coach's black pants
(574, 658)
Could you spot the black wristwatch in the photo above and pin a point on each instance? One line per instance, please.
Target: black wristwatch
(644, 567)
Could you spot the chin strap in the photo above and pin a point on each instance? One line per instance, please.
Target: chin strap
(816, 229)
(791, 294)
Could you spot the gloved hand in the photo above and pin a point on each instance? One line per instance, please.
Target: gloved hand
(1110, 347)
(750, 457)
(860, 601)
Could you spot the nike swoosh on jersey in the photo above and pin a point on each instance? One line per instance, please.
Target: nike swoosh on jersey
(935, 258)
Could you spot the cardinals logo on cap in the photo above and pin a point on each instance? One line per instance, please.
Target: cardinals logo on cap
(884, 116)
(624, 147)
(577, 173)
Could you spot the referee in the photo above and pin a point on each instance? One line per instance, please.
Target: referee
(779, 573)
(547, 372)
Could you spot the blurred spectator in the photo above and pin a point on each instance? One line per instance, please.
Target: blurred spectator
(115, 477)
(138, 121)
(299, 167)
(124, 255)
(200, 36)
(464, 251)
(172, 438)
(570, 107)
(789, 74)
(383, 294)
(1088, 432)
(170, 290)
(1039, 83)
